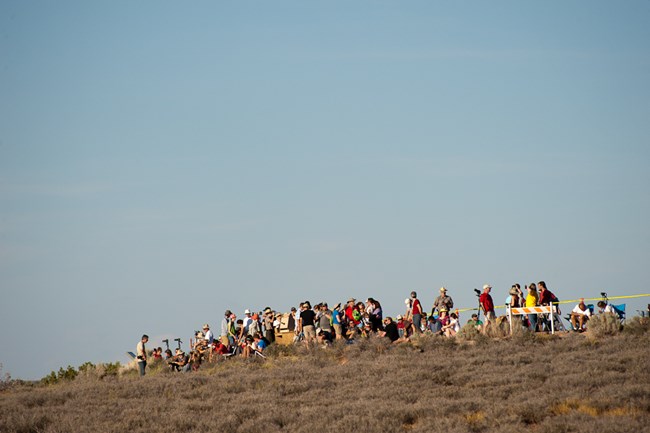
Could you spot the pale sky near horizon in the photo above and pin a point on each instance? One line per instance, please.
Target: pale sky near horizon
(162, 161)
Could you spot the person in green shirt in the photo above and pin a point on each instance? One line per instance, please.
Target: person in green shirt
(476, 322)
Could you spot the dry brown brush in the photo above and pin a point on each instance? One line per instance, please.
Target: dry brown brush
(568, 384)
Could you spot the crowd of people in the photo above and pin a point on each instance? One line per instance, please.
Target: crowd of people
(251, 334)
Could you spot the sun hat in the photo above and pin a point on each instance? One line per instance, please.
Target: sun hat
(407, 301)
(443, 289)
(337, 306)
(487, 286)
(444, 309)
(513, 291)
(267, 310)
(206, 326)
(399, 317)
(351, 300)
(247, 311)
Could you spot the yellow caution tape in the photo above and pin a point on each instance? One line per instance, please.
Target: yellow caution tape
(609, 298)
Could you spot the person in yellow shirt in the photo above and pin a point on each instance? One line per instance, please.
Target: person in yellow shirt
(532, 299)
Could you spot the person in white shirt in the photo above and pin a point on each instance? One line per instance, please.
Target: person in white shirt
(141, 354)
(581, 315)
(207, 334)
(606, 308)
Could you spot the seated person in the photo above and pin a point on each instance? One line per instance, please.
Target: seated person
(259, 343)
(194, 361)
(451, 328)
(606, 308)
(432, 325)
(168, 354)
(324, 337)
(157, 353)
(401, 326)
(219, 348)
(581, 315)
(247, 346)
(476, 322)
(390, 330)
(179, 361)
(443, 320)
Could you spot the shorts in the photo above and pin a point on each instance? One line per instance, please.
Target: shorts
(309, 331)
(338, 329)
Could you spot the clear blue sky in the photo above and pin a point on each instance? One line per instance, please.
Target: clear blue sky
(163, 161)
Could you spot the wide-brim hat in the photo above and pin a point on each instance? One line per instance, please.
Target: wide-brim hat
(268, 310)
(206, 326)
(352, 300)
(513, 291)
(337, 306)
(443, 289)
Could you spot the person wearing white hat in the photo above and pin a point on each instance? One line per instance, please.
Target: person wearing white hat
(487, 305)
(247, 322)
(442, 301)
(207, 334)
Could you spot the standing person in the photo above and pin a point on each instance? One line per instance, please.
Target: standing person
(306, 323)
(409, 311)
(532, 299)
(325, 321)
(416, 310)
(352, 313)
(247, 321)
(141, 354)
(546, 297)
(442, 301)
(376, 315)
(291, 322)
(224, 328)
(336, 321)
(269, 331)
(487, 305)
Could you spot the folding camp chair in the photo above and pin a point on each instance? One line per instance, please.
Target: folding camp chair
(620, 311)
(568, 317)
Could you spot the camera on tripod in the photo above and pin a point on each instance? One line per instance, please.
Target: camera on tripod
(478, 292)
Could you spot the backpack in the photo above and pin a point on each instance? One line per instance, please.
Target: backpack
(356, 315)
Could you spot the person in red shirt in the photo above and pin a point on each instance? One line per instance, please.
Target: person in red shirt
(416, 308)
(350, 313)
(546, 297)
(487, 305)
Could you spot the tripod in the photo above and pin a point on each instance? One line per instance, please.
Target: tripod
(478, 295)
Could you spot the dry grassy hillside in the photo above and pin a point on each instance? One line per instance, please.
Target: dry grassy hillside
(546, 384)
